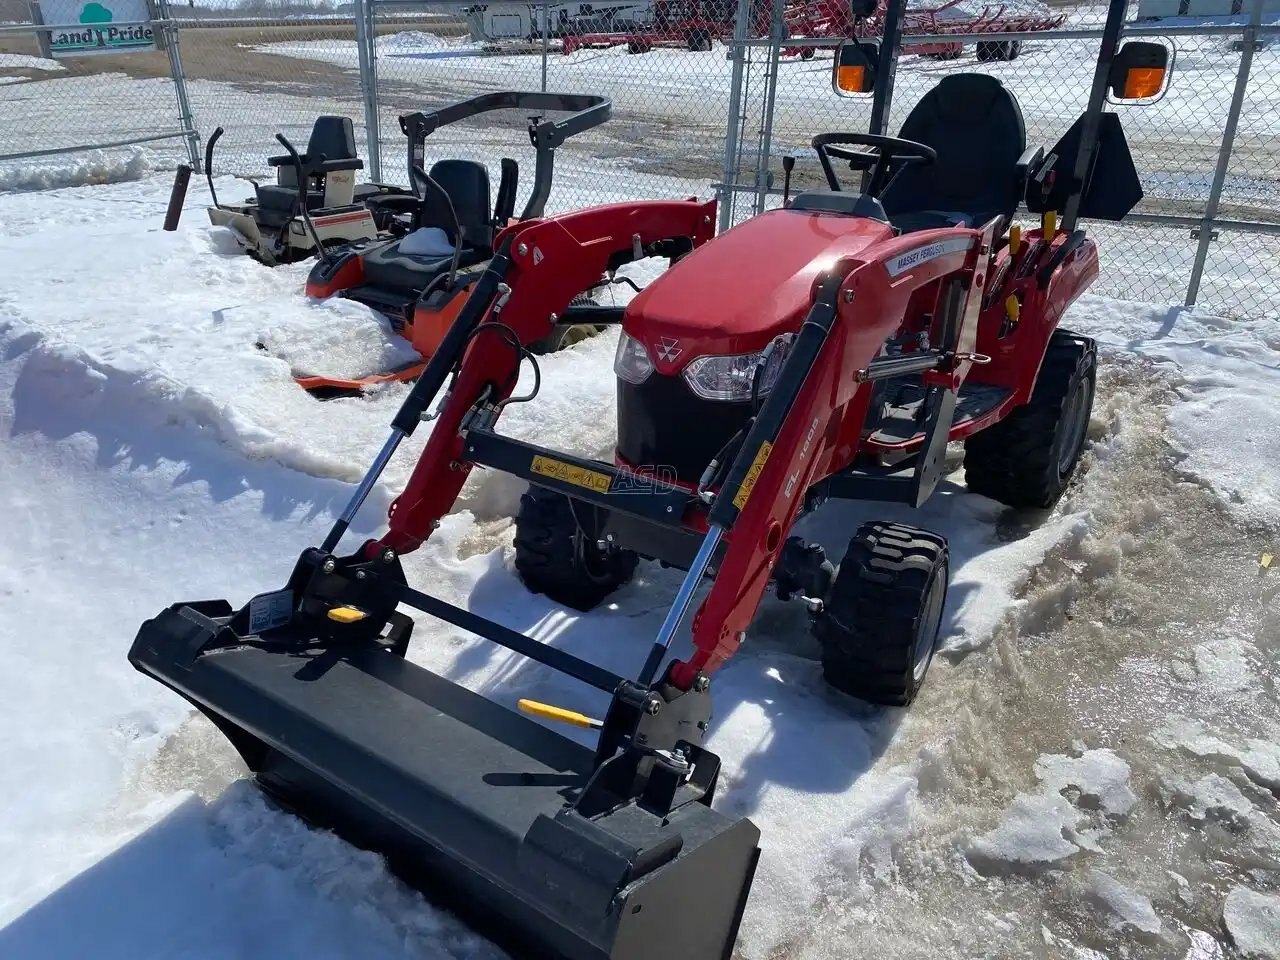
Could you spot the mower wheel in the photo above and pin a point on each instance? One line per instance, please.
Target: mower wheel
(1027, 459)
(880, 621)
(558, 554)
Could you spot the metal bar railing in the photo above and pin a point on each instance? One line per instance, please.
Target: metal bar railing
(77, 148)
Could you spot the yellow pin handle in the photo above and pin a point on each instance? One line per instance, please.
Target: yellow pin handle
(1015, 239)
(1049, 224)
(1012, 308)
(548, 712)
(346, 614)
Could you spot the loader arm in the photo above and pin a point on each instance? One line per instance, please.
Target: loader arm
(549, 262)
(860, 302)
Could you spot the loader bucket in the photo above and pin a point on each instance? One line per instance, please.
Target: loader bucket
(511, 825)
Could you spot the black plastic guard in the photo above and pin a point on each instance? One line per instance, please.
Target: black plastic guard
(1111, 188)
(467, 800)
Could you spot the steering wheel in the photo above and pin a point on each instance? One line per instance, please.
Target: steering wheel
(884, 156)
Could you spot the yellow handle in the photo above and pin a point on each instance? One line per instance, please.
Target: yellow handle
(346, 614)
(1015, 239)
(1012, 308)
(1049, 224)
(547, 711)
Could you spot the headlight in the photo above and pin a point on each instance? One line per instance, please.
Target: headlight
(632, 362)
(730, 378)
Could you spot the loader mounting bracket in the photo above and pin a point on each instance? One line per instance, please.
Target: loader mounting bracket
(650, 750)
(298, 615)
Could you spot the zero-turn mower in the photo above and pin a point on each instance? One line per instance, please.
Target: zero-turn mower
(420, 275)
(829, 349)
(277, 226)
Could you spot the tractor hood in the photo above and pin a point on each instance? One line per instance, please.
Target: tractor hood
(736, 293)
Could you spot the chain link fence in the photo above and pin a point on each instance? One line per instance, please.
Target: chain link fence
(1205, 229)
(705, 104)
(51, 105)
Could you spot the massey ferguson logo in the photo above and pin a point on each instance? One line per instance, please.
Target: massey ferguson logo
(669, 350)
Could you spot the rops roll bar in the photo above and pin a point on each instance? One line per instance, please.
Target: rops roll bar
(586, 111)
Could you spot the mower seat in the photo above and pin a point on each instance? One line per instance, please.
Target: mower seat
(332, 146)
(272, 196)
(976, 127)
(467, 184)
(389, 268)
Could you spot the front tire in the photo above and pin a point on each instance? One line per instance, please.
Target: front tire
(557, 553)
(880, 623)
(1027, 459)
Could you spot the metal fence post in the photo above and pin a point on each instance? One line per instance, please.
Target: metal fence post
(546, 41)
(170, 32)
(366, 49)
(777, 31)
(729, 175)
(1205, 232)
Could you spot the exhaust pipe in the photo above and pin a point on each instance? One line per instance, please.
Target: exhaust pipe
(177, 196)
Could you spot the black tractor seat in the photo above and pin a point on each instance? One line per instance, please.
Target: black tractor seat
(975, 125)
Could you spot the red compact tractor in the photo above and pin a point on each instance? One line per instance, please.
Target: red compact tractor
(830, 349)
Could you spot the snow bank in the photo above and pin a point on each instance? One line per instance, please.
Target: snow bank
(1228, 373)
(282, 888)
(75, 170)
(23, 61)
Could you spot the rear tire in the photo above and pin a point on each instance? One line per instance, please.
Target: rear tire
(557, 553)
(880, 623)
(988, 50)
(1028, 458)
(562, 337)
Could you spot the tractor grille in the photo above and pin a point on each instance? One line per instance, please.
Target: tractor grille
(662, 424)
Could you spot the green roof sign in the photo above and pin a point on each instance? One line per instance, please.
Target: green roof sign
(78, 29)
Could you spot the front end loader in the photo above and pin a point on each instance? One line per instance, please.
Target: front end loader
(552, 847)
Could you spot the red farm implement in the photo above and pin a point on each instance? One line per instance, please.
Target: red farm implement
(832, 19)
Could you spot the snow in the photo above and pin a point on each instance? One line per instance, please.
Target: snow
(1228, 374)
(154, 448)
(1129, 907)
(93, 167)
(1253, 921)
(23, 61)
(1052, 823)
(1259, 760)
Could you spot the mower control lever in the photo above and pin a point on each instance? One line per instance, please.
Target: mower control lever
(304, 189)
(885, 157)
(208, 164)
